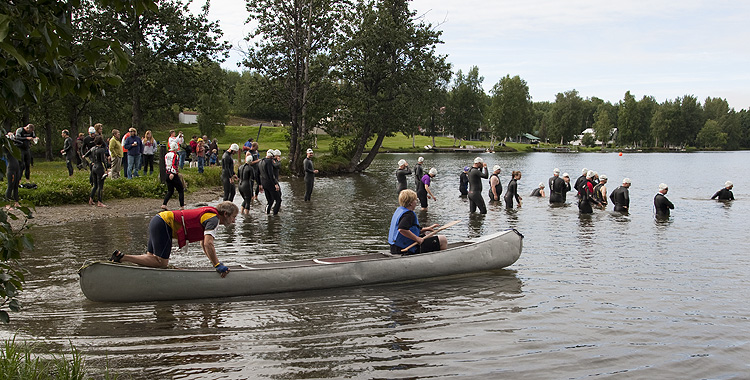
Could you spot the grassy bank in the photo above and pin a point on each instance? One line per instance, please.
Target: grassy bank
(55, 187)
(18, 361)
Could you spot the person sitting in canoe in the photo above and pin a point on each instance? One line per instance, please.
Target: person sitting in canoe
(405, 229)
(197, 224)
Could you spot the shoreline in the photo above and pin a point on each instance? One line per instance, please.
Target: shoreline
(52, 215)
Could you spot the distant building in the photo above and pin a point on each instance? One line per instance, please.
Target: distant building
(528, 138)
(188, 117)
(577, 141)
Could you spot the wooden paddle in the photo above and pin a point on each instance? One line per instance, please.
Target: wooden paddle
(433, 233)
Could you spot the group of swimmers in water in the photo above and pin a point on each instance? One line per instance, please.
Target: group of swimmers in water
(590, 187)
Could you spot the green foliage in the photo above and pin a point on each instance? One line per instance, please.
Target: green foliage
(12, 243)
(464, 111)
(213, 103)
(566, 117)
(602, 125)
(510, 112)
(54, 187)
(588, 140)
(711, 136)
(18, 362)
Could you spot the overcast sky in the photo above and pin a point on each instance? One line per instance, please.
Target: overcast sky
(665, 49)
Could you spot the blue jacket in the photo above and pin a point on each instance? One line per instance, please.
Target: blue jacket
(133, 151)
(396, 238)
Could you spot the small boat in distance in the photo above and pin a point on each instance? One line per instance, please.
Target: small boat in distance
(139, 284)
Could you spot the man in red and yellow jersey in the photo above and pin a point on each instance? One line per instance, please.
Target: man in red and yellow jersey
(186, 226)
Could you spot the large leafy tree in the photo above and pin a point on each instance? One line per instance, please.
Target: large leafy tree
(567, 117)
(291, 44)
(166, 44)
(386, 64)
(466, 105)
(511, 111)
(603, 125)
(35, 39)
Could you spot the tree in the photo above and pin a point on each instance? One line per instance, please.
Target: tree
(33, 39)
(567, 117)
(602, 125)
(511, 111)
(691, 119)
(588, 140)
(167, 45)
(213, 105)
(711, 136)
(466, 104)
(292, 41)
(386, 62)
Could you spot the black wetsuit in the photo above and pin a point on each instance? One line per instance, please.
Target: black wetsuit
(662, 206)
(245, 174)
(309, 177)
(13, 172)
(498, 188)
(512, 193)
(25, 146)
(70, 154)
(463, 184)
(269, 182)
(418, 174)
(254, 164)
(620, 197)
(598, 194)
(227, 172)
(422, 191)
(88, 144)
(558, 189)
(580, 181)
(536, 192)
(401, 178)
(475, 189)
(98, 157)
(724, 195)
(585, 197)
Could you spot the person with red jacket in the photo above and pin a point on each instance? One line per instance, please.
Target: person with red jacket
(186, 226)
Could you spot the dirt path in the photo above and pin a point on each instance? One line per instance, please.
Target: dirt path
(52, 215)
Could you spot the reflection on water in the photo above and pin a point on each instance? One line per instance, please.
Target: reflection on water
(606, 294)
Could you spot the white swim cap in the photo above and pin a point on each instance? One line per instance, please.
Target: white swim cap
(626, 180)
(309, 150)
(556, 171)
(234, 147)
(496, 168)
(420, 159)
(92, 130)
(590, 174)
(433, 171)
(277, 152)
(728, 184)
(603, 177)
(585, 171)
(541, 184)
(269, 153)
(248, 158)
(566, 175)
(401, 162)
(663, 186)
(478, 160)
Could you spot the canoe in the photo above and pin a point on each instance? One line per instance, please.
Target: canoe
(137, 284)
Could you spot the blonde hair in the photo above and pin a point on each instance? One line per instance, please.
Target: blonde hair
(150, 136)
(406, 197)
(227, 208)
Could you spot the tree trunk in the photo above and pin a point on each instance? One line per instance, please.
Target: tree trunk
(371, 154)
(137, 112)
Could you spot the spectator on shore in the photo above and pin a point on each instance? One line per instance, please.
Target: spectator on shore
(116, 153)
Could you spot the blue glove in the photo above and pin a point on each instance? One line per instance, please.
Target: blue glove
(222, 269)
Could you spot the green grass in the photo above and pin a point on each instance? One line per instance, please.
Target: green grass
(19, 362)
(54, 187)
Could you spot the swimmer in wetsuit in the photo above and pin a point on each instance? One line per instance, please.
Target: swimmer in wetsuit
(512, 192)
(539, 191)
(401, 173)
(98, 157)
(620, 196)
(419, 173)
(246, 176)
(476, 174)
(725, 194)
(496, 188)
(228, 178)
(586, 195)
(463, 182)
(662, 205)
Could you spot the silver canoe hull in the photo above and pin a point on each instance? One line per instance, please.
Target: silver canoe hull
(111, 282)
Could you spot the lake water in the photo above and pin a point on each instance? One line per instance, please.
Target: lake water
(603, 295)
